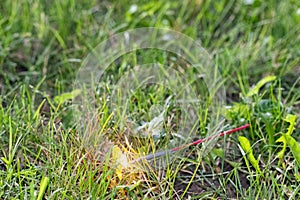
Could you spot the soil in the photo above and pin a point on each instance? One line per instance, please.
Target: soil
(206, 183)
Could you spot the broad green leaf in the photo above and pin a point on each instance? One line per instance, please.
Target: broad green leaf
(291, 119)
(245, 144)
(43, 186)
(282, 139)
(66, 96)
(261, 83)
(5, 160)
(297, 176)
(294, 146)
(218, 152)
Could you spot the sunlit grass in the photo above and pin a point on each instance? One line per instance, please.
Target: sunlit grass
(45, 155)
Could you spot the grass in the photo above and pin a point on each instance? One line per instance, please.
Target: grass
(45, 155)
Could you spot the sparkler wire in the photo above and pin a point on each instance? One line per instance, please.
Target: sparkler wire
(173, 150)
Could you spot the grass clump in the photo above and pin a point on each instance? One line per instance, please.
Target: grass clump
(44, 154)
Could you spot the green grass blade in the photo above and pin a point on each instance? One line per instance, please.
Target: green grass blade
(43, 186)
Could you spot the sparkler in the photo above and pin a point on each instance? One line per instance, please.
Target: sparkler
(173, 150)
